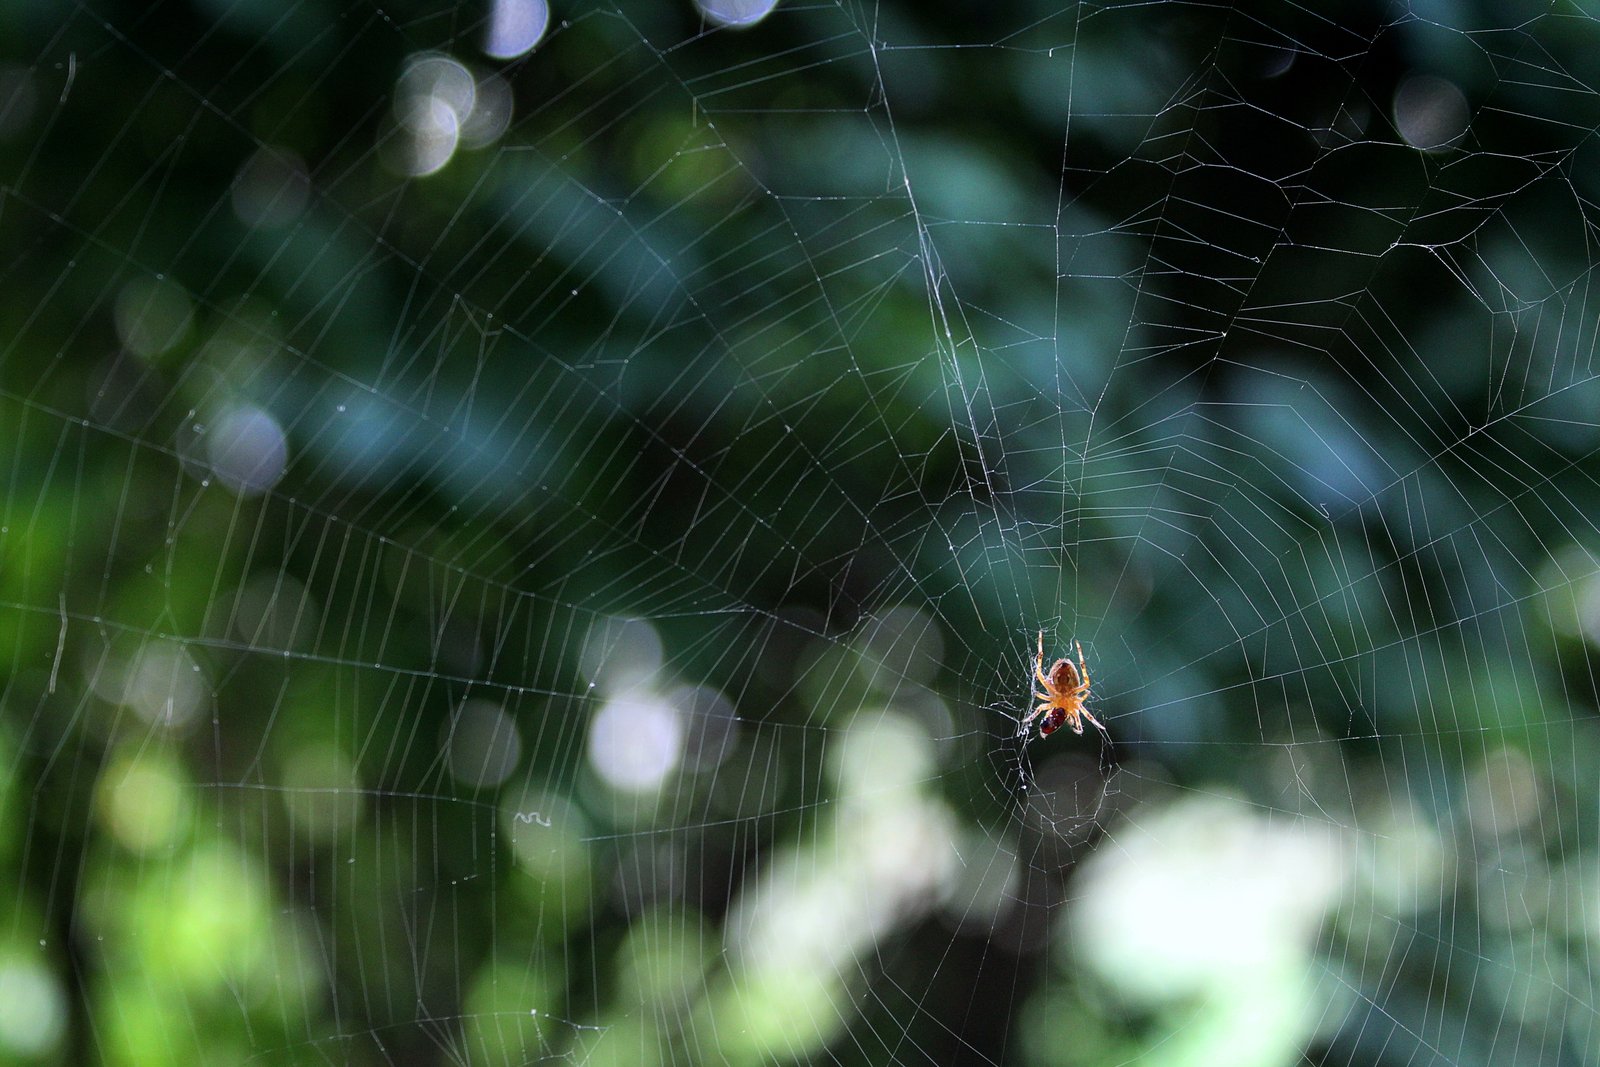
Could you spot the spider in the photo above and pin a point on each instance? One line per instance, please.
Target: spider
(1063, 694)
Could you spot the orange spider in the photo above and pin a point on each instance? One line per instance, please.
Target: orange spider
(1063, 694)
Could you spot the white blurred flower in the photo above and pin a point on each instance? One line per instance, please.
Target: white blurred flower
(1203, 895)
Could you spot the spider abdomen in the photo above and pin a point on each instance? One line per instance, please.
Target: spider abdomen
(1063, 675)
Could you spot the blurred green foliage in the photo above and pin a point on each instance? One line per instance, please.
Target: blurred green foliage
(818, 365)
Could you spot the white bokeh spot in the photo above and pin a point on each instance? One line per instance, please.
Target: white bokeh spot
(515, 26)
(247, 450)
(737, 13)
(635, 742)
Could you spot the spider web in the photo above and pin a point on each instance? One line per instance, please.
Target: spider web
(527, 530)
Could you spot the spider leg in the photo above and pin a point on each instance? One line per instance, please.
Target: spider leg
(1098, 725)
(1038, 664)
(1083, 668)
(1022, 727)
